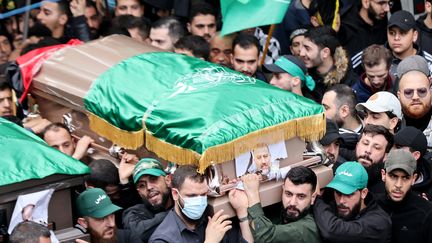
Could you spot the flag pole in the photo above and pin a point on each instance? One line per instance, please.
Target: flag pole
(269, 36)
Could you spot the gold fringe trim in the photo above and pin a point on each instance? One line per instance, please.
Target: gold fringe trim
(123, 138)
(310, 128)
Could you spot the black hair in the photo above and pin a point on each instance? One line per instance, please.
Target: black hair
(379, 130)
(103, 173)
(91, 4)
(196, 44)
(325, 8)
(302, 175)
(246, 41)
(125, 22)
(183, 172)
(63, 7)
(345, 95)
(29, 232)
(201, 8)
(323, 36)
(56, 126)
(5, 85)
(176, 29)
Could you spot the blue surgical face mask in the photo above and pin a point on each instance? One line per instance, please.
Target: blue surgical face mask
(194, 207)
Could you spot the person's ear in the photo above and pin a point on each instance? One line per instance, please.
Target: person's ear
(343, 111)
(428, 7)
(398, 94)
(325, 53)
(83, 222)
(314, 21)
(296, 82)
(168, 180)
(415, 36)
(314, 195)
(365, 4)
(416, 155)
(393, 123)
(188, 26)
(63, 19)
(363, 193)
(415, 175)
(174, 194)
(383, 174)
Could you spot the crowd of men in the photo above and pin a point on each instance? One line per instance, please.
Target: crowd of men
(368, 64)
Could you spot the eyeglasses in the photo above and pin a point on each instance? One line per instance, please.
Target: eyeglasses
(384, 3)
(421, 92)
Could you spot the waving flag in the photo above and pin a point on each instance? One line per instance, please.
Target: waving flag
(243, 14)
(25, 156)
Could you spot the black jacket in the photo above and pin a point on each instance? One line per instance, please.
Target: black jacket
(425, 37)
(142, 221)
(411, 218)
(371, 225)
(424, 170)
(355, 34)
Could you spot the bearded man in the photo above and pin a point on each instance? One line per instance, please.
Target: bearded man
(414, 94)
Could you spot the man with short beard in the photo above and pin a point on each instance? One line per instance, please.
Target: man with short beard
(152, 184)
(347, 212)
(373, 145)
(411, 215)
(189, 220)
(96, 215)
(363, 26)
(415, 95)
(297, 222)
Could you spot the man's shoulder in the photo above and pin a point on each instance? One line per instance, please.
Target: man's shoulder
(168, 230)
(139, 210)
(127, 236)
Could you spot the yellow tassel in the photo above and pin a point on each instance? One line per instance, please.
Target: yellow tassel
(310, 128)
(123, 138)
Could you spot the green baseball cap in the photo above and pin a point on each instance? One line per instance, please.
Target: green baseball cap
(95, 203)
(349, 177)
(400, 159)
(147, 166)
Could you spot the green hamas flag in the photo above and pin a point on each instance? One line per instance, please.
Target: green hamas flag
(243, 14)
(25, 156)
(194, 112)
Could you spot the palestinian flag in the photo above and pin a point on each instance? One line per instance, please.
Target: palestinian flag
(25, 156)
(189, 111)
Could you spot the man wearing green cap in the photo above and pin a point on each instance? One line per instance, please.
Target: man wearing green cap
(411, 215)
(96, 214)
(351, 213)
(289, 73)
(152, 184)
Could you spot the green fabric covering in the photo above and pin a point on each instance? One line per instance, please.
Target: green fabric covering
(189, 102)
(25, 156)
(256, 12)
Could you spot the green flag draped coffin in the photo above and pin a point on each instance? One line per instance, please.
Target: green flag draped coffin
(25, 156)
(189, 111)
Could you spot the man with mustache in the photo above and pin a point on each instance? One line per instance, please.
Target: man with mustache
(96, 215)
(296, 223)
(374, 143)
(365, 24)
(415, 95)
(202, 20)
(347, 212)
(411, 215)
(245, 55)
(382, 108)
(152, 184)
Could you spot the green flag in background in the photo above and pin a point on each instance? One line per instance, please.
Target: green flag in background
(243, 14)
(25, 156)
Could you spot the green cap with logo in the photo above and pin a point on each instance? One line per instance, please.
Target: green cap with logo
(95, 203)
(400, 159)
(147, 166)
(349, 177)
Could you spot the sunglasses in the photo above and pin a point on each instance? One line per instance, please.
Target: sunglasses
(421, 92)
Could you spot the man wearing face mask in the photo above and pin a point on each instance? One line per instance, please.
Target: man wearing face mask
(188, 220)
